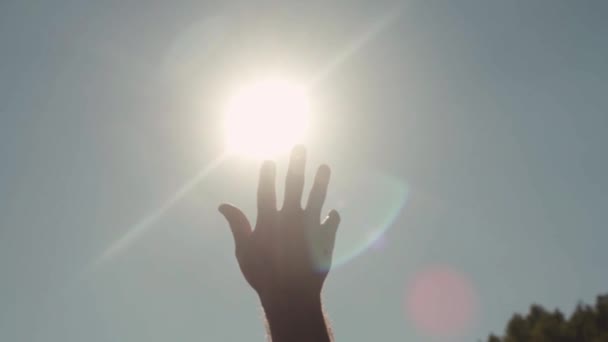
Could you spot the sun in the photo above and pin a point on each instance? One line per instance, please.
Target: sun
(266, 118)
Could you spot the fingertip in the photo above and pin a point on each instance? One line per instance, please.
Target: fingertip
(332, 220)
(324, 172)
(222, 207)
(268, 165)
(298, 151)
(226, 208)
(335, 216)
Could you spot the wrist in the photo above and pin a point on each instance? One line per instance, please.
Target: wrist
(295, 319)
(291, 305)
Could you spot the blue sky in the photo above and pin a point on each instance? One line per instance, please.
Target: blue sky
(466, 134)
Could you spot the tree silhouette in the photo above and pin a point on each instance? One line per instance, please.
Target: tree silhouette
(588, 323)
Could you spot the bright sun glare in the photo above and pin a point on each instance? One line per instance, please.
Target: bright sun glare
(266, 118)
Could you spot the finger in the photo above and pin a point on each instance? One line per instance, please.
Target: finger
(267, 202)
(294, 184)
(239, 225)
(330, 227)
(318, 191)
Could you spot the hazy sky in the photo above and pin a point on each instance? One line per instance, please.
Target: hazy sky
(467, 140)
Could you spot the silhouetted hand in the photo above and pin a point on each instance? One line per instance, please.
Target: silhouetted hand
(287, 256)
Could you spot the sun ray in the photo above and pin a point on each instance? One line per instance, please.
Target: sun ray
(135, 231)
(359, 42)
(143, 225)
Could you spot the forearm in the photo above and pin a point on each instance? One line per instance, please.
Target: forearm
(296, 321)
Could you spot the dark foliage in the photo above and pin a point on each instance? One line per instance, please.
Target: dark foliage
(588, 323)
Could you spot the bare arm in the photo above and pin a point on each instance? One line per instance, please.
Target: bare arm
(297, 321)
(287, 256)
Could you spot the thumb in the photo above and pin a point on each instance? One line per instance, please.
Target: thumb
(239, 225)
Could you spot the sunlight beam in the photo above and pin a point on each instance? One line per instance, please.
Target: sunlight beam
(359, 42)
(137, 230)
(298, 120)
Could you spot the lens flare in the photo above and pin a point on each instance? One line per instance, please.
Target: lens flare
(441, 302)
(369, 206)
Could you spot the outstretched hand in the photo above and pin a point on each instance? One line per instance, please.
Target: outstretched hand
(288, 254)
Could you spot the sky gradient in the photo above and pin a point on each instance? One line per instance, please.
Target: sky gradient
(467, 141)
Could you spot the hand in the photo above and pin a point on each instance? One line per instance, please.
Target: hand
(288, 254)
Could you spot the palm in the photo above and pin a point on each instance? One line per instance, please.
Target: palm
(289, 251)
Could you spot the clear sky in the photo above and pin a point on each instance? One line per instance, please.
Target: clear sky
(467, 140)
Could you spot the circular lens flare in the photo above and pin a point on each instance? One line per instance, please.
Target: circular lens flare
(367, 217)
(441, 302)
(267, 118)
